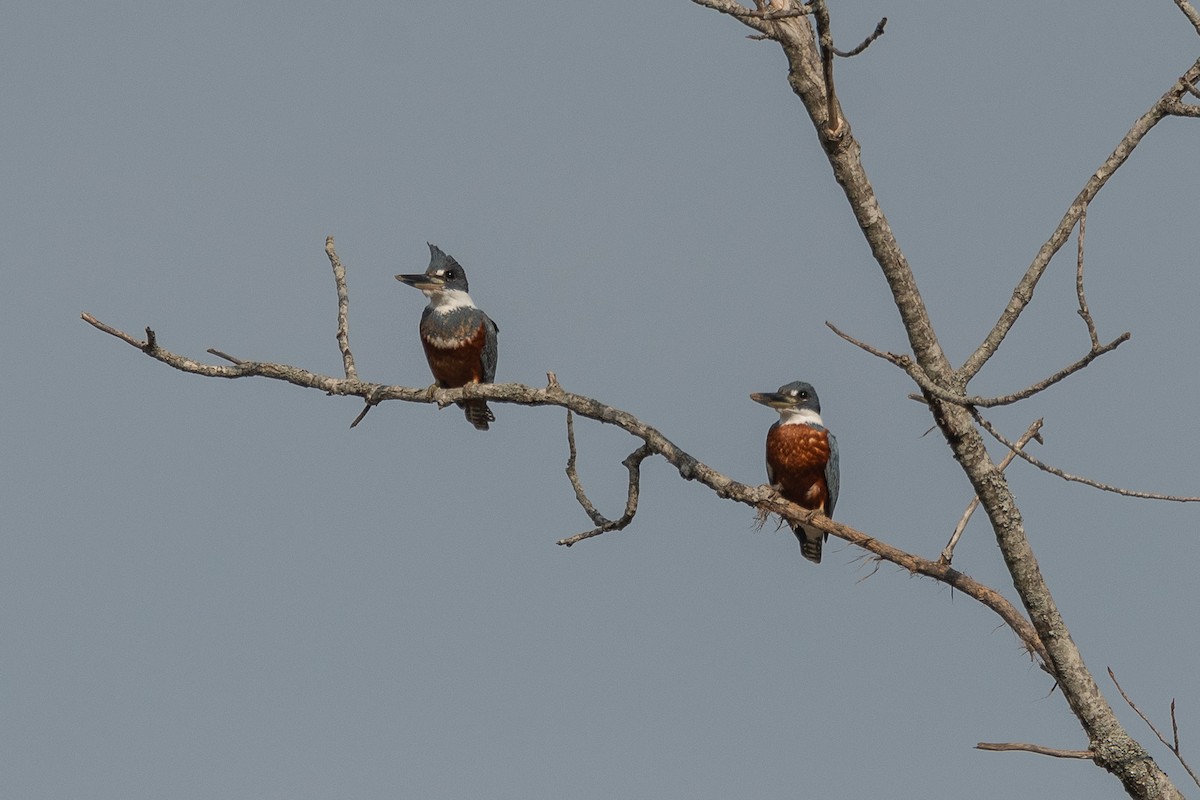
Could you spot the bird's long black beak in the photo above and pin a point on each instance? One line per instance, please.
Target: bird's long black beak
(422, 281)
(773, 399)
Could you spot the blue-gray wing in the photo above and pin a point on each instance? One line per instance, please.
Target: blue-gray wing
(832, 476)
(490, 349)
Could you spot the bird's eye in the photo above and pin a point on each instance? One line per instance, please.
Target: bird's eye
(803, 395)
(450, 275)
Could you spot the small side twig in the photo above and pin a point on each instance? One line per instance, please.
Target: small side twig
(226, 356)
(1083, 306)
(833, 120)
(1066, 476)
(1174, 748)
(632, 462)
(865, 42)
(122, 335)
(1035, 748)
(343, 323)
(1031, 433)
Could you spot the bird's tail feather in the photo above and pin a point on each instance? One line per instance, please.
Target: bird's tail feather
(478, 413)
(810, 542)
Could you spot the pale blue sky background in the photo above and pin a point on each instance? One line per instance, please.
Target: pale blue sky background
(216, 589)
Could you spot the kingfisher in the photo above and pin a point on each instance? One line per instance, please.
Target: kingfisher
(459, 339)
(802, 457)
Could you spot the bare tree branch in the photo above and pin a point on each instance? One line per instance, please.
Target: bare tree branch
(343, 324)
(999, 437)
(226, 356)
(1083, 306)
(632, 463)
(833, 120)
(1031, 433)
(689, 468)
(1174, 748)
(1116, 751)
(1168, 104)
(757, 19)
(927, 386)
(1035, 748)
(865, 42)
(1190, 12)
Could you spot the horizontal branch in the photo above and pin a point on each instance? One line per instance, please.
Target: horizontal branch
(1035, 748)
(688, 467)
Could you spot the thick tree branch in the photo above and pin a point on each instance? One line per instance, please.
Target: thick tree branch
(1190, 12)
(688, 467)
(1115, 749)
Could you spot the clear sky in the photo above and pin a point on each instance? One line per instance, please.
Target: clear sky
(215, 589)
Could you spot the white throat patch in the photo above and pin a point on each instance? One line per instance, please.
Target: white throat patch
(443, 301)
(800, 416)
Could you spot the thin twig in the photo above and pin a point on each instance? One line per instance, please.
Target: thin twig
(922, 380)
(865, 43)
(226, 356)
(632, 463)
(987, 426)
(111, 331)
(343, 317)
(1035, 748)
(1173, 748)
(1031, 433)
(573, 476)
(1023, 293)
(1083, 306)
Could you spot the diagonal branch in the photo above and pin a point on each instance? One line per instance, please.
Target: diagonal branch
(688, 467)
(1033, 432)
(987, 426)
(865, 42)
(343, 325)
(1174, 748)
(914, 371)
(833, 120)
(1190, 12)
(1084, 311)
(1023, 293)
(1116, 751)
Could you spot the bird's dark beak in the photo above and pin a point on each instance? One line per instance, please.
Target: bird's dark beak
(773, 399)
(423, 282)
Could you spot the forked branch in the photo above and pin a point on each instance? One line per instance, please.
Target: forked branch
(1173, 746)
(1066, 476)
(1169, 104)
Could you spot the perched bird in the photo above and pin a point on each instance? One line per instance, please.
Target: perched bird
(802, 457)
(459, 339)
